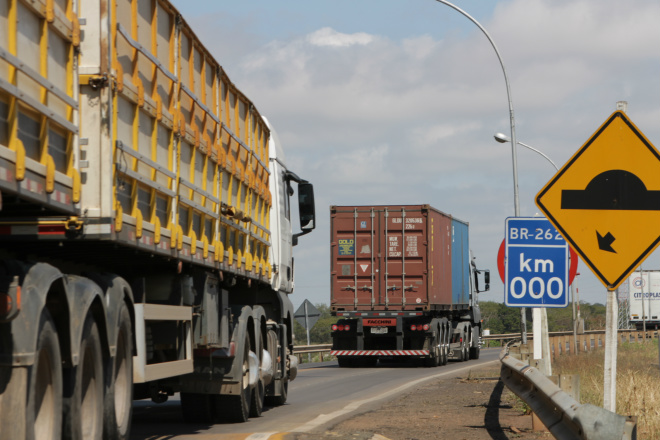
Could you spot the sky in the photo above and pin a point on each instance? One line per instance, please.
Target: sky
(397, 101)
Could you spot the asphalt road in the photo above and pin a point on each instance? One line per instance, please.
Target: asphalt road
(321, 394)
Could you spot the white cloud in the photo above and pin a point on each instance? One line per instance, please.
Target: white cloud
(430, 136)
(329, 37)
(360, 166)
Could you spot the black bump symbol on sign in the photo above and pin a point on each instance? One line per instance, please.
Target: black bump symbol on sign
(613, 189)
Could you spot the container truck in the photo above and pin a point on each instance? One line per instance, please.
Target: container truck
(644, 298)
(403, 286)
(145, 225)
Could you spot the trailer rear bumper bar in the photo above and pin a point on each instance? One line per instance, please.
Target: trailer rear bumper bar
(379, 352)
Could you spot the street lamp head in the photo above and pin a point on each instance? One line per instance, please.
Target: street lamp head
(502, 138)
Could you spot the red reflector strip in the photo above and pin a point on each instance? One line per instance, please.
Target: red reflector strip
(33, 229)
(379, 353)
(51, 230)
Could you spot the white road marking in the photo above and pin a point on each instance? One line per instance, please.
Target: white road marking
(325, 418)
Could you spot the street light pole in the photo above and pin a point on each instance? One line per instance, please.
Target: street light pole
(502, 138)
(516, 200)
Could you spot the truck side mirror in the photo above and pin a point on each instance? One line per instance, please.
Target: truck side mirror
(487, 280)
(306, 207)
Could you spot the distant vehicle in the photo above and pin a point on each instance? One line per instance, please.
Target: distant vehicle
(145, 225)
(403, 285)
(644, 291)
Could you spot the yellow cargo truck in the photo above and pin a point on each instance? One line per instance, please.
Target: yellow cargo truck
(145, 228)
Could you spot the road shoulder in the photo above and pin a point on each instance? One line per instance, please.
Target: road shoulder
(476, 406)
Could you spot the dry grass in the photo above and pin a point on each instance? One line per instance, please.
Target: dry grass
(637, 382)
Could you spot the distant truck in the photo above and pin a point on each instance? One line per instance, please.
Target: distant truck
(146, 242)
(404, 286)
(644, 291)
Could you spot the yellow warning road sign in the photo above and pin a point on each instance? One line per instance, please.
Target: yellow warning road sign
(606, 200)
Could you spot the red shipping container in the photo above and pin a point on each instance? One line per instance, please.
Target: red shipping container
(395, 258)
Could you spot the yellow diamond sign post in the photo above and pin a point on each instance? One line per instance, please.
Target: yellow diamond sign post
(605, 200)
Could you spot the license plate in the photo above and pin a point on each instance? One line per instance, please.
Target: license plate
(379, 330)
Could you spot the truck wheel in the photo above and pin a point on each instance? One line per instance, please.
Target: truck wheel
(44, 404)
(257, 402)
(445, 345)
(345, 362)
(434, 350)
(83, 402)
(236, 408)
(475, 347)
(119, 390)
(196, 408)
(368, 361)
(466, 343)
(284, 394)
(277, 351)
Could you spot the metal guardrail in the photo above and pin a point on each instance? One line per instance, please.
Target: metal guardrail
(622, 332)
(624, 335)
(311, 349)
(564, 417)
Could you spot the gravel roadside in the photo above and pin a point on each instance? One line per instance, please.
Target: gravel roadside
(477, 407)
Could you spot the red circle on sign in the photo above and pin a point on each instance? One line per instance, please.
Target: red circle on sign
(571, 270)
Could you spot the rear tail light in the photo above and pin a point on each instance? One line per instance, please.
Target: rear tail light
(426, 327)
(413, 327)
(347, 327)
(340, 327)
(335, 327)
(10, 302)
(419, 327)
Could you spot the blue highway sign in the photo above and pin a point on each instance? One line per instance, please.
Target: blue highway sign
(536, 264)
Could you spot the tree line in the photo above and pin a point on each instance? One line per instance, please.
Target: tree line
(497, 317)
(501, 319)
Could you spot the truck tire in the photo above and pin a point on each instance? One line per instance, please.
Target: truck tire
(474, 347)
(445, 344)
(236, 408)
(345, 362)
(277, 351)
(466, 343)
(119, 383)
(434, 349)
(259, 391)
(196, 408)
(284, 394)
(83, 401)
(368, 361)
(44, 401)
